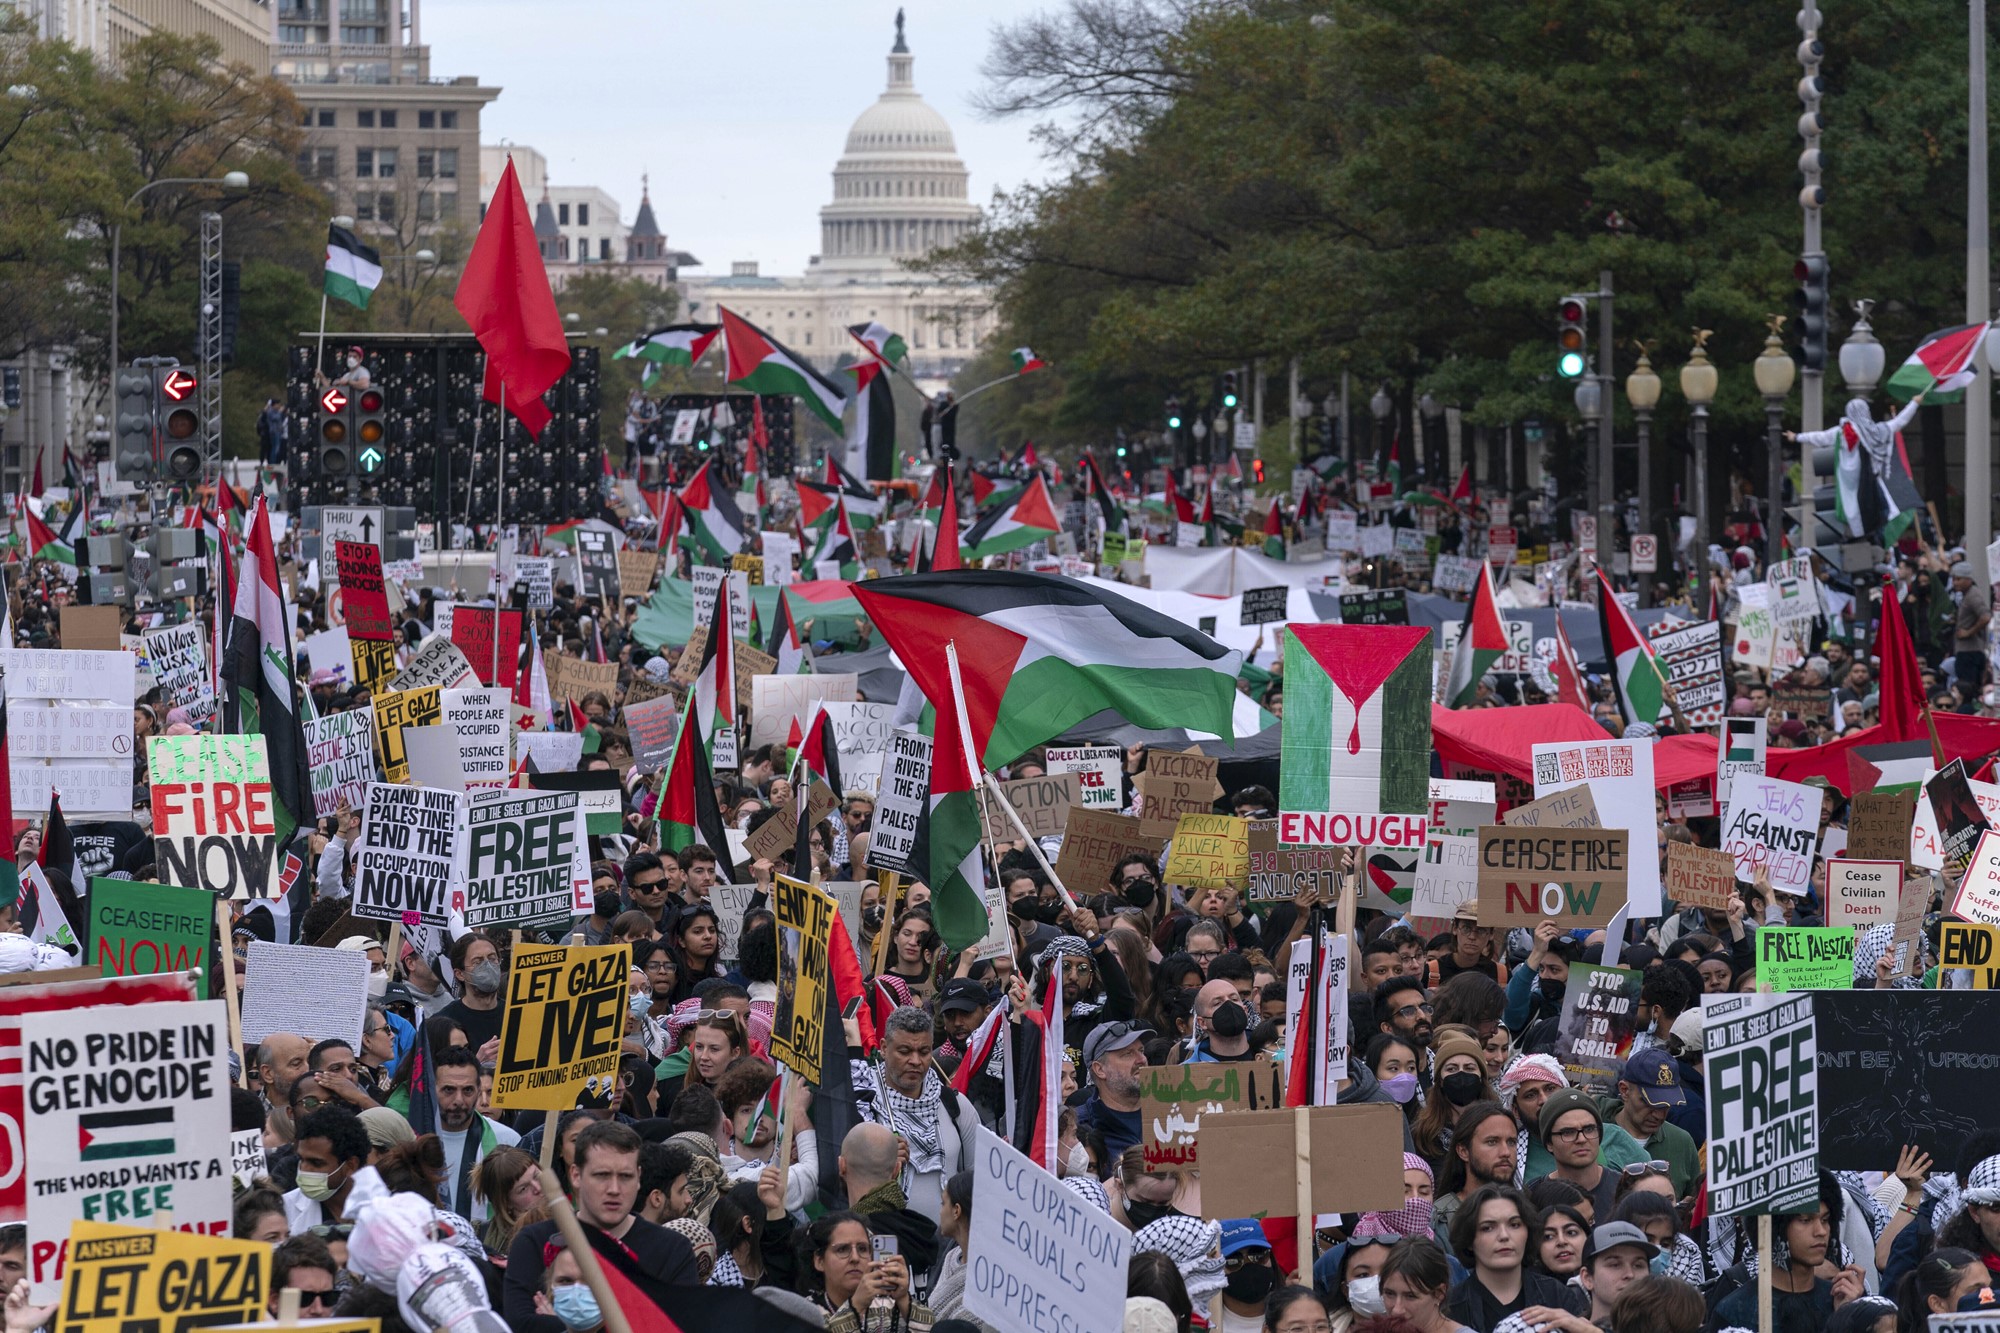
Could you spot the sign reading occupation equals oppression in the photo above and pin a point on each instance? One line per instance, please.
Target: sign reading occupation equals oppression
(1355, 755)
(564, 1024)
(409, 851)
(526, 861)
(213, 824)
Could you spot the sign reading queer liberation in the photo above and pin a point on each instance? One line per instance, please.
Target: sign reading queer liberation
(213, 824)
(129, 1120)
(1042, 1258)
(805, 932)
(1574, 877)
(1098, 769)
(1795, 958)
(178, 655)
(135, 1279)
(1862, 893)
(340, 752)
(1620, 777)
(1773, 824)
(564, 1023)
(526, 862)
(1355, 754)
(1763, 1102)
(409, 848)
(139, 929)
(1173, 1099)
(1600, 1017)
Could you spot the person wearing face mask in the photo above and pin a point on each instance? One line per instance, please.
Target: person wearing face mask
(1535, 989)
(475, 961)
(1394, 1061)
(333, 1148)
(565, 1294)
(1221, 1026)
(1460, 1080)
(1249, 1274)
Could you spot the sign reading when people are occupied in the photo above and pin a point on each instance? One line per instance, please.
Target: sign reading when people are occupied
(213, 816)
(526, 860)
(564, 1024)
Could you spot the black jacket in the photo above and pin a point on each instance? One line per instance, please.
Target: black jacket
(1470, 1304)
(660, 1252)
(916, 1238)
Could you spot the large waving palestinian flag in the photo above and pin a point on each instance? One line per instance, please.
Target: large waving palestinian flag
(257, 678)
(1030, 519)
(714, 693)
(674, 345)
(715, 524)
(1037, 655)
(759, 362)
(687, 812)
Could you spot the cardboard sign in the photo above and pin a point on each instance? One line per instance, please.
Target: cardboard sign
(127, 1121)
(654, 726)
(1762, 1067)
(775, 701)
(178, 657)
(1793, 592)
(308, 991)
(527, 860)
(438, 662)
(564, 1024)
(1600, 1017)
(213, 815)
(1278, 872)
(1620, 777)
(1096, 842)
(1447, 876)
(140, 930)
(805, 929)
(637, 571)
(1209, 852)
(1878, 825)
(1459, 807)
(1575, 877)
(1173, 1099)
(1173, 784)
(478, 716)
(1571, 808)
(1043, 805)
(1880, 1078)
(1969, 948)
(123, 1279)
(1862, 893)
(1700, 876)
(900, 801)
(1099, 770)
(410, 845)
(1375, 606)
(775, 838)
(341, 755)
(1264, 606)
(92, 628)
(1250, 1161)
(472, 631)
(1041, 1257)
(573, 678)
(1795, 958)
(1773, 824)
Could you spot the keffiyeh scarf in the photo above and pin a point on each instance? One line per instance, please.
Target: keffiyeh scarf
(1195, 1247)
(916, 1119)
(1061, 947)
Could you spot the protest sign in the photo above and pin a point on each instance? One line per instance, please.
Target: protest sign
(526, 860)
(1794, 593)
(394, 711)
(1209, 852)
(1574, 877)
(135, 1279)
(1903, 1066)
(1043, 805)
(213, 817)
(47, 729)
(364, 604)
(64, 732)
(1968, 948)
(1264, 606)
(1762, 1073)
(1742, 751)
(1355, 750)
(602, 799)
(1620, 777)
(1796, 958)
(730, 902)
(636, 572)
(1862, 893)
(1447, 876)
(128, 1120)
(139, 929)
(1700, 876)
(598, 575)
(574, 678)
(1040, 1257)
(858, 727)
(472, 631)
(654, 725)
(1375, 606)
(1455, 573)
(900, 801)
(304, 990)
(1350, 1156)
(1690, 654)
(1095, 842)
(1772, 824)
(1878, 825)
(409, 853)
(1573, 807)
(91, 628)
(805, 976)
(246, 1157)
(1278, 872)
(479, 717)
(1175, 784)
(1960, 819)
(1978, 895)
(564, 1023)
(549, 751)
(178, 656)
(1600, 1017)
(776, 701)
(438, 662)
(774, 839)
(1460, 807)
(1926, 842)
(1693, 799)
(1099, 770)
(340, 754)
(329, 656)
(535, 575)
(432, 753)
(1173, 1099)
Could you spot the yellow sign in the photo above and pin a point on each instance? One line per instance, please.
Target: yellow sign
(805, 929)
(137, 1280)
(1209, 852)
(1965, 946)
(374, 661)
(564, 1024)
(394, 711)
(753, 565)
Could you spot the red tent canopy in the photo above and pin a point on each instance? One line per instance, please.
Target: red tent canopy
(1961, 736)
(1502, 740)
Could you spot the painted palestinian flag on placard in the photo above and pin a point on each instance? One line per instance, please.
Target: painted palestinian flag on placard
(112, 1136)
(1030, 519)
(715, 524)
(353, 270)
(761, 363)
(1357, 735)
(1943, 364)
(673, 345)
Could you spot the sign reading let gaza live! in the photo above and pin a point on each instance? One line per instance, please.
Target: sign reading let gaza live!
(213, 813)
(126, 1279)
(1355, 754)
(564, 1024)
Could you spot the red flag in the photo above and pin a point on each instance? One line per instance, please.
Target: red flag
(1462, 493)
(945, 552)
(504, 294)
(1905, 711)
(1567, 672)
(36, 489)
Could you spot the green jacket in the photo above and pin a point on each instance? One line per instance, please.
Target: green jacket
(1618, 1149)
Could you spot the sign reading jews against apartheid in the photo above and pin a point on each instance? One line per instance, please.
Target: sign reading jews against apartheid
(135, 1279)
(409, 852)
(564, 1024)
(526, 860)
(1772, 824)
(213, 814)
(1355, 767)
(129, 1120)
(1762, 1067)
(805, 932)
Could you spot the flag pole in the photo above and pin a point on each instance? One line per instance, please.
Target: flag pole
(319, 357)
(499, 508)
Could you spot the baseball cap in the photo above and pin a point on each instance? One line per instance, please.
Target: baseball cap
(1109, 1037)
(1657, 1078)
(1467, 911)
(962, 993)
(1613, 1234)
(1243, 1233)
(1687, 1031)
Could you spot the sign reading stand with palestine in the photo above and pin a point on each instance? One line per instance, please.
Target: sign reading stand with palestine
(805, 975)
(1355, 754)
(564, 1024)
(526, 860)
(410, 848)
(213, 817)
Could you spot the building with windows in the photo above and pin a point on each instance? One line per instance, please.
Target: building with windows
(242, 28)
(584, 229)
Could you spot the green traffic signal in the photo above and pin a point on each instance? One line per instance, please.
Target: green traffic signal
(1229, 400)
(1570, 365)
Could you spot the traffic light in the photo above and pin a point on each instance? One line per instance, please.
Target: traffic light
(1229, 390)
(370, 431)
(1174, 413)
(1571, 340)
(332, 437)
(1257, 470)
(1813, 275)
(179, 424)
(132, 436)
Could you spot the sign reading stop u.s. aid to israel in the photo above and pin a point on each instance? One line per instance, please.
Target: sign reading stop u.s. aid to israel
(127, 1119)
(1357, 736)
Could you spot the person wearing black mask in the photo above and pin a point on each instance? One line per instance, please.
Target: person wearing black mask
(1222, 1025)
(1249, 1274)
(1535, 990)
(1460, 1081)
(1133, 880)
(1023, 889)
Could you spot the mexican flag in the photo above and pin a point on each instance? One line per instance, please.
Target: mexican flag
(672, 345)
(1635, 672)
(687, 812)
(1943, 364)
(43, 544)
(1026, 361)
(761, 363)
(1030, 519)
(1357, 733)
(1037, 656)
(353, 270)
(714, 522)
(258, 690)
(1480, 644)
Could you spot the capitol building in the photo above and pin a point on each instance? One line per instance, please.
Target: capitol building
(899, 192)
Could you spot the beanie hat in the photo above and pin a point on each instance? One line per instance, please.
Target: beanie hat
(1457, 1045)
(1560, 1103)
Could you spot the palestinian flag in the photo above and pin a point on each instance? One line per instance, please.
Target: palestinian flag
(794, 739)
(1025, 361)
(1030, 519)
(1274, 529)
(999, 490)
(673, 345)
(1896, 767)
(871, 431)
(715, 524)
(714, 693)
(1394, 471)
(808, 602)
(1635, 672)
(818, 756)
(1943, 364)
(1568, 672)
(761, 363)
(1481, 643)
(58, 850)
(836, 541)
(1109, 511)
(944, 556)
(687, 814)
(43, 544)
(1038, 655)
(864, 507)
(1461, 494)
(1874, 492)
(531, 686)
(112, 1136)
(1357, 735)
(1179, 507)
(257, 678)
(353, 270)
(42, 916)
(881, 343)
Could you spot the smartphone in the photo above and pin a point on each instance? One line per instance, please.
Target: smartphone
(883, 1246)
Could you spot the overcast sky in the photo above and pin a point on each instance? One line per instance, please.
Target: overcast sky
(738, 110)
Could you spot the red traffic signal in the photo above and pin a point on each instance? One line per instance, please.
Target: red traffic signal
(371, 400)
(177, 385)
(333, 400)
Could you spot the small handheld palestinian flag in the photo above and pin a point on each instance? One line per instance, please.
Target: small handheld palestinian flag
(1274, 529)
(43, 544)
(1943, 364)
(1025, 361)
(353, 270)
(673, 345)
(1481, 642)
(1030, 519)
(1635, 672)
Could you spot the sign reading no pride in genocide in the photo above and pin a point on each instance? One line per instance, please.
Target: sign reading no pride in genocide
(125, 1279)
(409, 848)
(526, 861)
(1042, 1258)
(213, 825)
(1763, 1107)
(564, 1023)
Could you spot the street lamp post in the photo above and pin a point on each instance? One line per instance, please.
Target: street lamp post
(1775, 372)
(1381, 405)
(231, 180)
(1861, 357)
(1698, 384)
(1642, 391)
(1435, 462)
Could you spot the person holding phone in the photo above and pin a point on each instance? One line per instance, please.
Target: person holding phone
(861, 1285)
